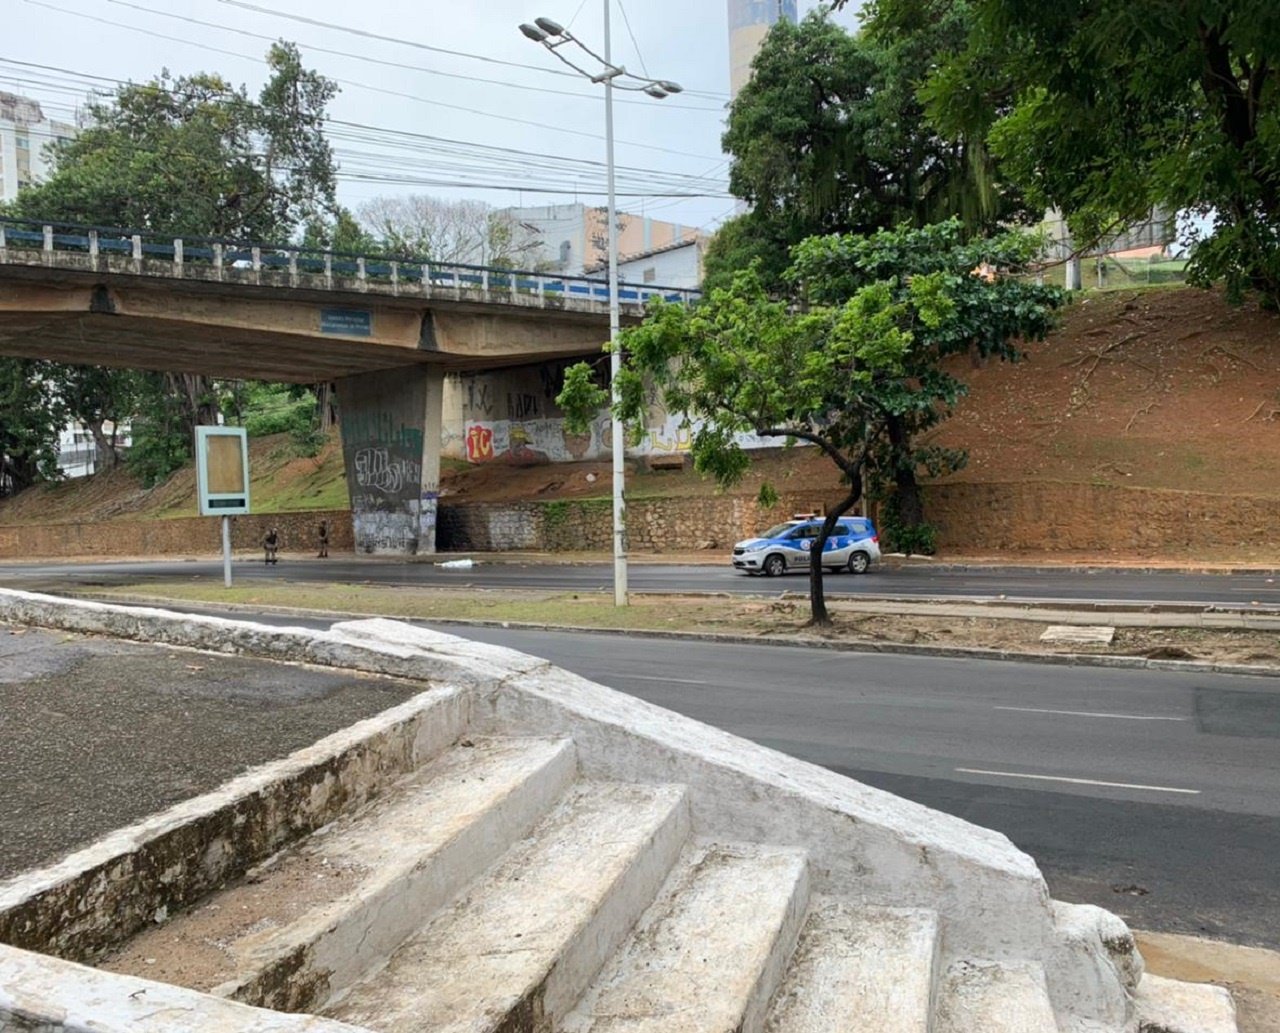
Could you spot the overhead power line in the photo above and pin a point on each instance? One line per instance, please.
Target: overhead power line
(415, 98)
(351, 30)
(359, 57)
(402, 157)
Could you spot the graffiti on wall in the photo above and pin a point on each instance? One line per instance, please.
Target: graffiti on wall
(383, 471)
(511, 416)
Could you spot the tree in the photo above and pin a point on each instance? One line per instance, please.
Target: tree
(829, 136)
(991, 313)
(465, 231)
(97, 397)
(193, 155)
(745, 362)
(1107, 108)
(30, 417)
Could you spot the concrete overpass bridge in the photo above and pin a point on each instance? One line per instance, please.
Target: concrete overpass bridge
(385, 328)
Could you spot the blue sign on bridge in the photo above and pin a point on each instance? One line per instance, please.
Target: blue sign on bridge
(347, 322)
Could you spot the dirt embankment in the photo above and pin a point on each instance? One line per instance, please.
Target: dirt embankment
(1160, 389)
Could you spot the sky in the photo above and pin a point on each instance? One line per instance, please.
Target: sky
(407, 113)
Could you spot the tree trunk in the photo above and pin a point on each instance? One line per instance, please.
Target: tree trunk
(199, 400)
(910, 504)
(326, 405)
(818, 614)
(105, 455)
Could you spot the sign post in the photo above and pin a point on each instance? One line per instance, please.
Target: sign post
(222, 477)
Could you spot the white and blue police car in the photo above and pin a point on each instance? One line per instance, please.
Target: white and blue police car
(852, 546)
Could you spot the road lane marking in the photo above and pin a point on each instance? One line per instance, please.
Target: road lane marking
(1092, 713)
(1078, 781)
(657, 677)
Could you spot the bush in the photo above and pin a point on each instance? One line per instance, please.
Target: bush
(921, 540)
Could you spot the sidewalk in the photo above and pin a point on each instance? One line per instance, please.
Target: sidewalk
(1047, 562)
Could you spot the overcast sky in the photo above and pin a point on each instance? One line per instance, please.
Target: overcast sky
(683, 40)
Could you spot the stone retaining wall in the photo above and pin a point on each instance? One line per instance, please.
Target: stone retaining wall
(180, 537)
(971, 517)
(654, 525)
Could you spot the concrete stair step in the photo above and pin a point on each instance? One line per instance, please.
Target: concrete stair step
(522, 943)
(709, 953)
(994, 997)
(1169, 1006)
(316, 918)
(859, 969)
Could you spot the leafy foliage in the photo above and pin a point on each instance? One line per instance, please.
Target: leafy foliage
(100, 399)
(161, 435)
(30, 415)
(829, 136)
(850, 360)
(193, 155)
(990, 313)
(744, 362)
(1106, 108)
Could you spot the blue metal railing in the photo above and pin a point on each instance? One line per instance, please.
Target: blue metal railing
(403, 273)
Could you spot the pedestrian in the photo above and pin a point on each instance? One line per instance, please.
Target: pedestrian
(323, 534)
(271, 545)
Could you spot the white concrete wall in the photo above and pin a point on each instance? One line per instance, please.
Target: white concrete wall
(678, 267)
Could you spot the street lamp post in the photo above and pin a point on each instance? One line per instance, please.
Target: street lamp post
(553, 36)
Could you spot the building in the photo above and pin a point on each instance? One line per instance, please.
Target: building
(749, 23)
(678, 264)
(24, 132)
(573, 239)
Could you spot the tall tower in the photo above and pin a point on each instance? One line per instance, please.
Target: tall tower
(749, 23)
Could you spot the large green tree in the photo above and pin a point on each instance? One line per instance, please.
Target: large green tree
(830, 136)
(1106, 108)
(194, 155)
(851, 360)
(992, 312)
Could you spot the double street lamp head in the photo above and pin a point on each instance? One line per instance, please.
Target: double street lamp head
(545, 30)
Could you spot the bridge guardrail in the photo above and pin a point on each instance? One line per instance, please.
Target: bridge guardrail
(380, 273)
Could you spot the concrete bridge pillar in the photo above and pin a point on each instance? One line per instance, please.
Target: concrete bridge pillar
(391, 449)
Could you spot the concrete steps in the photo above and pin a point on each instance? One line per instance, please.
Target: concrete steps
(859, 969)
(994, 997)
(710, 952)
(520, 945)
(325, 911)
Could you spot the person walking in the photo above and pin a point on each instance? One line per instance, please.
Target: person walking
(271, 546)
(324, 540)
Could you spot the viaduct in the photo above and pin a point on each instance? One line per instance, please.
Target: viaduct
(385, 330)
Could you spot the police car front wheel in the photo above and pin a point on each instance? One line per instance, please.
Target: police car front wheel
(859, 562)
(775, 565)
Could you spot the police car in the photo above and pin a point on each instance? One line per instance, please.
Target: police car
(852, 546)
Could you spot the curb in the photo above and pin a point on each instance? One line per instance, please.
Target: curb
(1130, 663)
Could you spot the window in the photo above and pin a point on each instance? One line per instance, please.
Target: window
(650, 274)
(23, 143)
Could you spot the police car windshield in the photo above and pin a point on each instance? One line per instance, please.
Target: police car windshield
(781, 529)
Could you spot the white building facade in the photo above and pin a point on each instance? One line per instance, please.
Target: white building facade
(24, 132)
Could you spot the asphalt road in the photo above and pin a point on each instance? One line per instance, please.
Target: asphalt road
(1153, 794)
(1184, 840)
(1248, 591)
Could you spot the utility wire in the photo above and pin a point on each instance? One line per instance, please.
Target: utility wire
(244, 4)
(416, 68)
(627, 22)
(383, 90)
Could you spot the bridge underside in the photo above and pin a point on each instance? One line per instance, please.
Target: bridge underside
(198, 328)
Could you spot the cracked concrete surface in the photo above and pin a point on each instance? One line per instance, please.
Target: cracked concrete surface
(96, 733)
